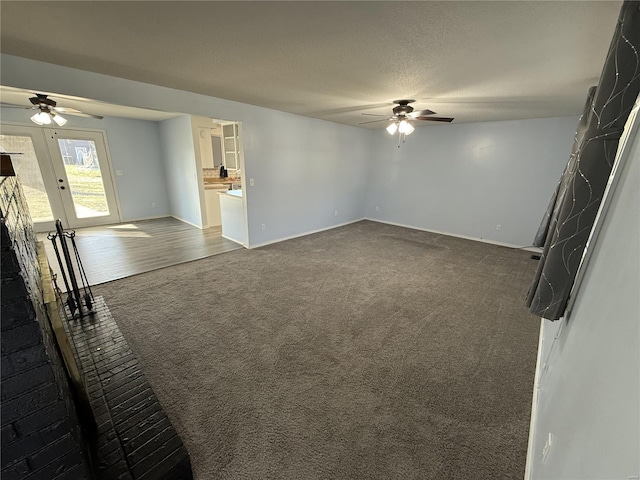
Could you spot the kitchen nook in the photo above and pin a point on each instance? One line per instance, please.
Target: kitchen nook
(219, 149)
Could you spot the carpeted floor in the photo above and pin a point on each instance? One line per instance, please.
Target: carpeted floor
(365, 352)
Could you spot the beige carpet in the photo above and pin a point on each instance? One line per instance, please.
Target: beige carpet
(364, 352)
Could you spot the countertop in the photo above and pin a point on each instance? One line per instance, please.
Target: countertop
(231, 193)
(218, 183)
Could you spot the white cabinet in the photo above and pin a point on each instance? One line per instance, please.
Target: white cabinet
(212, 200)
(232, 213)
(230, 144)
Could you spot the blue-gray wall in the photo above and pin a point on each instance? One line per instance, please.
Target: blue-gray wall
(466, 179)
(179, 157)
(304, 171)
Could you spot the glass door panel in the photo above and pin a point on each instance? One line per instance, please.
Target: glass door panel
(33, 167)
(84, 177)
(83, 174)
(28, 171)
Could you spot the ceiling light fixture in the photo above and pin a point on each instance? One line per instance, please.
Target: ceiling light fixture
(392, 128)
(402, 126)
(405, 127)
(41, 118)
(59, 119)
(44, 117)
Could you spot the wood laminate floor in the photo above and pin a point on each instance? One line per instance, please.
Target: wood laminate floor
(112, 252)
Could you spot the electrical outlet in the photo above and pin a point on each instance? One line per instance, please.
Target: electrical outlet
(335, 213)
(263, 227)
(377, 208)
(154, 204)
(119, 173)
(252, 183)
(498, 228)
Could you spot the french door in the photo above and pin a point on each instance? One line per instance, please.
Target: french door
(65, 175)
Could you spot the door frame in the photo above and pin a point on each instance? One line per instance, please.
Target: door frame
(108, 181)
(42, 145)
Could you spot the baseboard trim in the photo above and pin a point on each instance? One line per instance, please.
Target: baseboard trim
(186, 221)
(534, 406)
(466, 237)
(304, 234)
(233, 240)
(528, 248)
(142, 219)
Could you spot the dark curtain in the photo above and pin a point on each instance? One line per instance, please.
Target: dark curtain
(574, 206)
(569, 171)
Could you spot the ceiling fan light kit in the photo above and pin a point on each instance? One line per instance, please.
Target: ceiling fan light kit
(392, 128)
(44, 118)
(41, 118)
(405, 127)
(60, 120)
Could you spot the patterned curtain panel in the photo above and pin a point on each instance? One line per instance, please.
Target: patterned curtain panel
(561, 189)
(573, 208)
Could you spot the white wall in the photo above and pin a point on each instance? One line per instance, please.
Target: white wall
(589, 392)
(182, 170)
(304, 169)
(134, 147)
(466, 179)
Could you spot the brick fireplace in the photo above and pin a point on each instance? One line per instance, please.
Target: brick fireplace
(41, 434)
(102, 420)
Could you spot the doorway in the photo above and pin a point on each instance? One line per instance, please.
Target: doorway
(65, 174)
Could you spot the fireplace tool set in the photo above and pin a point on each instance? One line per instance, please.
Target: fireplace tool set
(79, 303)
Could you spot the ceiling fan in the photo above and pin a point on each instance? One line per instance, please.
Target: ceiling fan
(47, 110)
(402, 114)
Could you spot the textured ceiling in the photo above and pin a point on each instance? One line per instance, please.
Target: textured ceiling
(475, 61)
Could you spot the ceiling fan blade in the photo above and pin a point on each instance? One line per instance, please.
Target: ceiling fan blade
(420, 113)
(68, 110)
(375, 115)
(435, 119)
(77, 113)
(374, 121)
(6, 105)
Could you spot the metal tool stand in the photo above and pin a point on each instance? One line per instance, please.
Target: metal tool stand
(79, 304)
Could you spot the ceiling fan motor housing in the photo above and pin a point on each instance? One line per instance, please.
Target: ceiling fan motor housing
(403, 109)
(42, 101)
